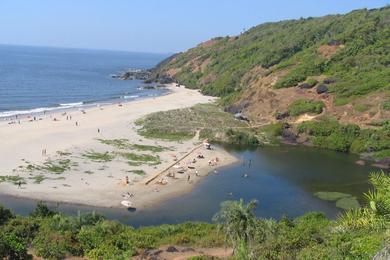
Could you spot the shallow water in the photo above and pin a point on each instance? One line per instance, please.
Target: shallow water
(282, 179)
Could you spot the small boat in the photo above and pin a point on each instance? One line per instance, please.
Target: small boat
(127, 204)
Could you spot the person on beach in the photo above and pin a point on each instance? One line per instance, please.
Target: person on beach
(127, 180)
(98, 130)
(19, 184)
(196, 173)
(77, 124)
(189, 177)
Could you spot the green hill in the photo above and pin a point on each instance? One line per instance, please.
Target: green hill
(335, 67)
(352, 49)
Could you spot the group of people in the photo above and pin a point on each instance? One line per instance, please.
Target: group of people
(213, 162)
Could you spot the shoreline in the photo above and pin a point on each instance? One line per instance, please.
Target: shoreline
(76, 106)
(82, 183)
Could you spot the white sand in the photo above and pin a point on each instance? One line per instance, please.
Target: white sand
(96, 183)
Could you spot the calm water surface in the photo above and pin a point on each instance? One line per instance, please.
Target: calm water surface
(282, 179)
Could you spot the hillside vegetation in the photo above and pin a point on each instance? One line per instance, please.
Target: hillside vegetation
(353, 49)
(336, 66)
(359, 233)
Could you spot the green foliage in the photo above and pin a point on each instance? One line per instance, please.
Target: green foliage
(311, 82)
(386, 105)
(125, 144)
(381, 154)
(302, 106)
(51, 244)
(141, 158)
(376, 215)
(358, 234)
(99, 157)
(241, 138)
(332, 196)
(343, 200)
(58, 166)
(361, 107)
(360, 66)
(348, 203)
(328, 133)
(238, 221)
(5, 215)
(182, 124)
(138, 172)
(272, 131)
(42, 211)
(14, 179)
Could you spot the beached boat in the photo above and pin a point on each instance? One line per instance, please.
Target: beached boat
(127, 204)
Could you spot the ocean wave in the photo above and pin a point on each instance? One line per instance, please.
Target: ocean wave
(131, 97)
(27, 112)
(40, 109)
(72, 104)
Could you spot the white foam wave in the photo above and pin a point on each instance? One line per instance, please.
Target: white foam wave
(39, 110)
(72, 104)
(130, 97)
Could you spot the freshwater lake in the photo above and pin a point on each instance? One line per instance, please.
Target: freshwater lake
(283, 180)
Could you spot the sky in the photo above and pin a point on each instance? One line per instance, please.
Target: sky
(159, 26)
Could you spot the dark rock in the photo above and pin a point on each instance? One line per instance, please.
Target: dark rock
(305, 86)
(329, 81)
(280, 116)
(238, 107)
(241, 117)
(322, 89)
(289, 136)
(335, 42)
(135, 74)
(152, 252)
(165, 80)
(172, 249)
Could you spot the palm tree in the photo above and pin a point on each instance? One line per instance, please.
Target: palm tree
(238, 221)
(376, 215)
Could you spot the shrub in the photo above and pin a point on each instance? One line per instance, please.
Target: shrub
(241, 138)
(302, 106)
(5, 215)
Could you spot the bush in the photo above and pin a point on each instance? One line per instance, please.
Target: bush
(302, 106)
(5, 215)
(51, 244)
(42, 211)
(241, 138)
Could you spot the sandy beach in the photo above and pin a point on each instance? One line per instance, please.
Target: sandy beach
(33, 150)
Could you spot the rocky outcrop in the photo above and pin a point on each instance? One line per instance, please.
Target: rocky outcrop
(322, 89)
(134, 74)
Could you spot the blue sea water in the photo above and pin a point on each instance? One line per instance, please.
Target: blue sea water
(34, 79)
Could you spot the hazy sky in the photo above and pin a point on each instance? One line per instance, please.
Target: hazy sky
(149, 25)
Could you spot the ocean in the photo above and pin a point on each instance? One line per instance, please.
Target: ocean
(37, 79)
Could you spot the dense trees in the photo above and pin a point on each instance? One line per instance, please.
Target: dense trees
(356, 234)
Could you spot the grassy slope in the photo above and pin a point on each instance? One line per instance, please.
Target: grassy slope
(257, 72)
(220, 66)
